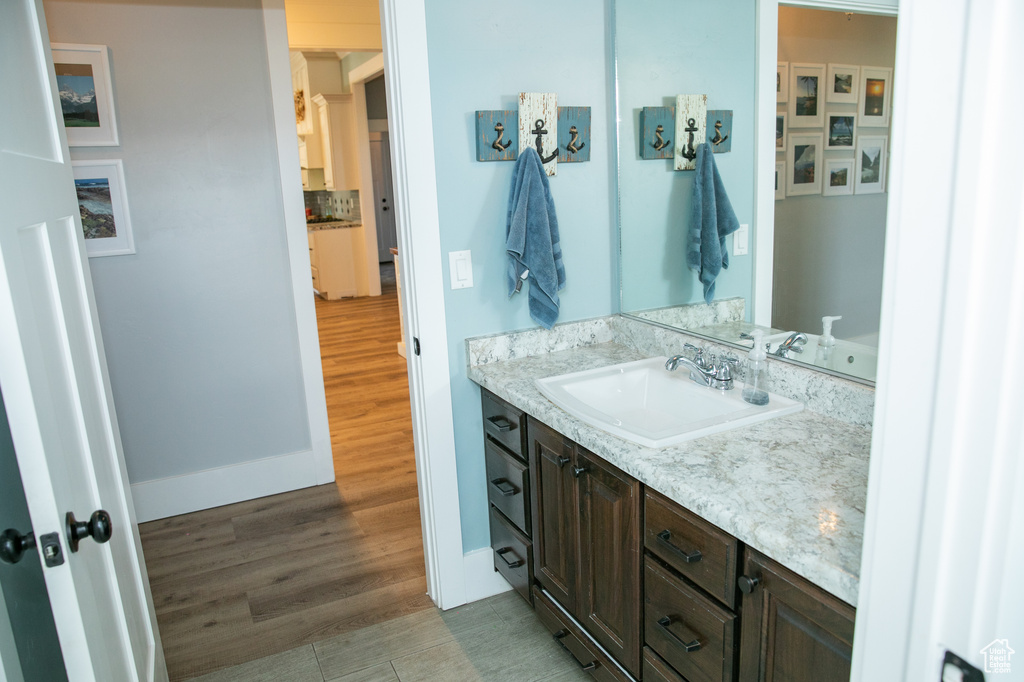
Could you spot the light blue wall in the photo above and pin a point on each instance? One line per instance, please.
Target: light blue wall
(199, 324)
(668, 48)
(482, 54)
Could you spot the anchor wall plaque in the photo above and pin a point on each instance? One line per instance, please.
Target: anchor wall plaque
(538, 127)
(497, 135)
(573, 134)
(657, 132)
(691, 129)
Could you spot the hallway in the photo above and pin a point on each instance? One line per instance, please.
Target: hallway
(248, 580)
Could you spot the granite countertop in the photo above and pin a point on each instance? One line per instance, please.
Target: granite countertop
(333, 225)
(793, 487)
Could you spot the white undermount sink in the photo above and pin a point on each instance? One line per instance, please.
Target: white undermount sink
(644, 403)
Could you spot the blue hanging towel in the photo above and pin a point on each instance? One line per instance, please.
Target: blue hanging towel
(711, 220)
(531, 238)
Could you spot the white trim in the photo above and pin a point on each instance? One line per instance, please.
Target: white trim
(371, 68)
(765, 106)
(282, 102)
(367, 199)
(404, 33)
(174, 495)
(482, 581)
(889, 8)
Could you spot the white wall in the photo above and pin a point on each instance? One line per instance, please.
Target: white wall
(199, 325)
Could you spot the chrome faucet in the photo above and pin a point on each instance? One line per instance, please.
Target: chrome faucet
(703, 370)
(794, 342)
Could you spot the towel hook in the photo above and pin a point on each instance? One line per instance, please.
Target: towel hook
(575, 144)
(540, 131)
(498, 144)
(689, 153)
(659, 141)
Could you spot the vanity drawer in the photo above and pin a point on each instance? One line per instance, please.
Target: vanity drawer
(504, 424)
(513, 554)
(692, 633)
(568, 633)
(698, 550)
(508, 485)
(657, 670)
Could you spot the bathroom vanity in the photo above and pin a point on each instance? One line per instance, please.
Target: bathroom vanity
(733, 556)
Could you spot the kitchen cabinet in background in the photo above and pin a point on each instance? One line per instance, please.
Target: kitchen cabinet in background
(332, 262)
(336, 115)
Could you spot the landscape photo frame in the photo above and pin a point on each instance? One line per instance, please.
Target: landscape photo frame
(876, 103)
(86, 94)
(103, 206)
(782, 82)
(803, 164)
(780, 180)
(780, 131)
(806, 107)
(840, 131)
(871, 162)
(838, 178)
(842, 85)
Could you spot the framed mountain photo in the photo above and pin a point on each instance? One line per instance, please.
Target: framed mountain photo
(86, 95)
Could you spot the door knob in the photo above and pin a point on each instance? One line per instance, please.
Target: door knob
(13, 545)
(98, 527)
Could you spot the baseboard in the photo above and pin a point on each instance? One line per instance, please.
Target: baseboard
(176, 495)
(482, 580)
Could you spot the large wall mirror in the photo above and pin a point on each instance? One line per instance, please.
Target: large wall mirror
(832, 116)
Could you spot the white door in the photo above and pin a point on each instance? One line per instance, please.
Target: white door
(54, 380)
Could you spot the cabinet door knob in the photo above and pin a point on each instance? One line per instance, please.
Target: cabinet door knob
(562, 461)
(579, 471)
(747, 584)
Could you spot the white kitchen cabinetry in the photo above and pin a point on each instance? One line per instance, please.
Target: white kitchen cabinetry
(336, 115)
(332, 262)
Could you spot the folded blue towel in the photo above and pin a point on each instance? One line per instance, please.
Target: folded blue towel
(531, 238)
(711, 219)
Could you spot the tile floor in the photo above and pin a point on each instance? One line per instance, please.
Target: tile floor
(499, 638)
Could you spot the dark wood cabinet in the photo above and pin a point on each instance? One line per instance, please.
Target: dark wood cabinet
(587, 540)
(791, 629)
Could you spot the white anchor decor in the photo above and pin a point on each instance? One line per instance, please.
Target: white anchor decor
(557, 133)
(691, 129)
(538, 127)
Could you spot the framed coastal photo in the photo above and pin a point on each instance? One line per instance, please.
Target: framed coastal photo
(842, 86)
(103, 205)
(86, 95)
(782, 82)
(780, 132)
(803, 163)
(876, 85)
(840, 130)
(780, 180)
(806, 101)
(838, 179)
(870, 178)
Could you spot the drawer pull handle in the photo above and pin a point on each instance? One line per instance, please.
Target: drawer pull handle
(511, 564)
(504, 487)
(500, 423)
(687, 646)
(562, 461)
(585, 667)
(689, 557)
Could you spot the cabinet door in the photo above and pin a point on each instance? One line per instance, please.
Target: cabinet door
(554, 513)
(791, 629)
(610, 554)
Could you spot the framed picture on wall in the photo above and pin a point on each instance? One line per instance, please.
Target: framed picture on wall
(780, 131)
(103, 205)
(838, 179)
(840, 131)
(842, 86)
(780, 180)
(86, 94)
(871, 151)
(876, 86)
(803, 163)
(782, 82)
(806, 98)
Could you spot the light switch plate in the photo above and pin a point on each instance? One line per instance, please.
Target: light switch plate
(460, 268)
(741, 241)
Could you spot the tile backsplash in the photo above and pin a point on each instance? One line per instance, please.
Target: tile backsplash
(342, 205)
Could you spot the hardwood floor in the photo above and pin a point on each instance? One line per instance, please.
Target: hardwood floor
(248, 580)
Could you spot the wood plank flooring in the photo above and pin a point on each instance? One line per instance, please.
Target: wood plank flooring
(248, 580)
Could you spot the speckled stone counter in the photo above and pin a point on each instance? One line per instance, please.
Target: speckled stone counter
(334, 225)
(793, 488)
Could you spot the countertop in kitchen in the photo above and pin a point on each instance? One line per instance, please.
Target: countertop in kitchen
(333, 225)
(793, 487)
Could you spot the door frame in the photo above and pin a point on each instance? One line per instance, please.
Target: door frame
(357, 78)
(403, 28)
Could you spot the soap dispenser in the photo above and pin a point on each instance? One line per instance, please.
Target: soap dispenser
(755, 374)
(826, 342)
